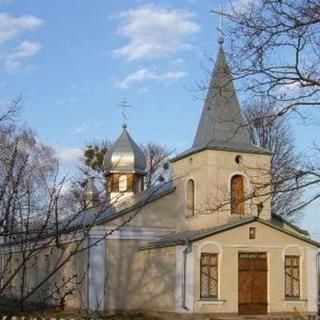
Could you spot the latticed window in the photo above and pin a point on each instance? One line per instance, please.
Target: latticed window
(237, 194)
(209, 276)
(292, 276)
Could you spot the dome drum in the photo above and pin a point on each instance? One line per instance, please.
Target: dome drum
(129, 182)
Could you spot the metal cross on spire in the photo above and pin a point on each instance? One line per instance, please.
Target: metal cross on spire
(124, 105)
(220, 29)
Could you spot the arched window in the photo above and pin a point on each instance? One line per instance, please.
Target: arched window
(190, 198)
(237, 194)
(123, 183)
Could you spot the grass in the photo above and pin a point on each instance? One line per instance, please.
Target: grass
(10, 307)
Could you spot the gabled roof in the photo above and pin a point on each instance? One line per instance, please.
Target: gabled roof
(221, 125)
(180, 238)
(125, 155)
(290, 224)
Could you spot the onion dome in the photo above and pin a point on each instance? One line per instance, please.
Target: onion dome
(125, 156)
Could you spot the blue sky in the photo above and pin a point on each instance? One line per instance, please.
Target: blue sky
(74, 62)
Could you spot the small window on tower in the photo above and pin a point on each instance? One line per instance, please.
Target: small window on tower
(190, 198)
(237, 195)
(238, 159)
(252, 233)
(123, 184)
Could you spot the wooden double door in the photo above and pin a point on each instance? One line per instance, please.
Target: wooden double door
(253, 283)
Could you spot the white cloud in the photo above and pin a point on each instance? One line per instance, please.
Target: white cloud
(13, 61)
(144, 74)
(177, 62)
(27, 49)
(68, 156)
(155, 32)
(11, 27)
(79, 129)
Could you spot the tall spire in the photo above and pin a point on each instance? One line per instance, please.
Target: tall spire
(221, 123)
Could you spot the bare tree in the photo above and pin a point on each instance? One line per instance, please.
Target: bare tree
(94, 154)
(43, 240)
(155, 153)
(156, 156)
(274, 56)
(277, 137)
(275, 51)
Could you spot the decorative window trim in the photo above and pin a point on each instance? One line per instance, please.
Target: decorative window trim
(290, 246)
(288, 300)
(211, 301)
(214, 243)
(248, 186)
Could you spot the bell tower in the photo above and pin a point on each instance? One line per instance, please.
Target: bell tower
(125, 167)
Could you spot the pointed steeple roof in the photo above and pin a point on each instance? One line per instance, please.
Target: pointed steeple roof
(221, 124)
(221, 121)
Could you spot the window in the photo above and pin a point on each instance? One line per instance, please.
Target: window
(208, 276)
(123, 185)
(238, 159)
(292, 276)
(190, 198)
(237, 194)
(252, 233)
(138, 185)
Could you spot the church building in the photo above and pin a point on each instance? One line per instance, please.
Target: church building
(204, 242)
(207, 241)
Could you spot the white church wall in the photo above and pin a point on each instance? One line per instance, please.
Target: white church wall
(139, 280)
(96, 272)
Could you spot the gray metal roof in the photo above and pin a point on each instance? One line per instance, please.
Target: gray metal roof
(180, 238)
(125, 156)
(221, 124)
(134, 203)
(93, 216)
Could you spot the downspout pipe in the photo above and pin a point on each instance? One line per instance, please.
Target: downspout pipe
(318, 275)
(186, 251)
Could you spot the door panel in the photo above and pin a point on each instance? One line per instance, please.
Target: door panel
(253, 289)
